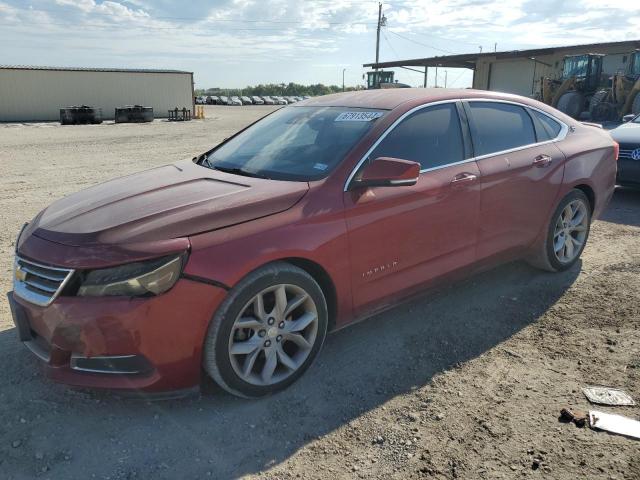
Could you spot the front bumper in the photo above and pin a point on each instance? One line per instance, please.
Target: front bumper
(151, 344)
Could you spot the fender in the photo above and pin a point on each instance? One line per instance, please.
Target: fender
(226, 256)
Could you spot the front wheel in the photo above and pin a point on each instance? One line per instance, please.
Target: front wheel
(267, 332)
(567, 234)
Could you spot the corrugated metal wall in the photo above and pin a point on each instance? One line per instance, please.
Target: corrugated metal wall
(38, 95)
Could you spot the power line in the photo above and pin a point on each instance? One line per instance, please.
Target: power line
(458, 77)
(397, 57)
(420, 43)
(475, 45)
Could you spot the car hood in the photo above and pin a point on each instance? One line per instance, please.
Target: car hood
(162, 203)
(627, 133)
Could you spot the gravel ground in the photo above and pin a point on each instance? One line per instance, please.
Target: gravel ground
(466, 382)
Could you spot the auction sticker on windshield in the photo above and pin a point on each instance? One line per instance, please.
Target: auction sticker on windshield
(357, 116)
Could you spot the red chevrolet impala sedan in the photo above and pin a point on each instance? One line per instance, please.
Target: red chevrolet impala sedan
(238, 262)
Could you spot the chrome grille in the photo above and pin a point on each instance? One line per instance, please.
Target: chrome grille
(36, 283)
(627, 150)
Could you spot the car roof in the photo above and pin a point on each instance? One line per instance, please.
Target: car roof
(390, 98)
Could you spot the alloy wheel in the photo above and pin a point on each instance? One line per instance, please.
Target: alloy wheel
(273, 335)
(570, 231)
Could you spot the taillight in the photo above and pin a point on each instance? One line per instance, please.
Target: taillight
(616, 150)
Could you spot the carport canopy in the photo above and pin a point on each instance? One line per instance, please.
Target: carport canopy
(466, 60)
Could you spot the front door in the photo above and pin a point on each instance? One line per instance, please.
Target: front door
(401, 237)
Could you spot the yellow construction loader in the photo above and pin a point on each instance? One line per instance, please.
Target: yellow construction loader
(382, 79)
(626, 87)
(622, 96)
(581, 79)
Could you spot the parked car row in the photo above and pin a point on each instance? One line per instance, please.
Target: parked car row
(246, 100)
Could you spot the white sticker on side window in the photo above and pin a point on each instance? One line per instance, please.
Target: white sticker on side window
(357, 116)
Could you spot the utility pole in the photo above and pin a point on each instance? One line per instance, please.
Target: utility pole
(480, 47)
(495, 47)
(343, 70)
(382, 21)
(436, 76)
(445, 78)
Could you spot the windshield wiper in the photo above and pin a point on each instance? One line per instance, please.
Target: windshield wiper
(235, 170)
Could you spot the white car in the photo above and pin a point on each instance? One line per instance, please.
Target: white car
(235, 101)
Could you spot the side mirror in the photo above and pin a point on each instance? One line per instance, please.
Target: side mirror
(387, 172)
(628, 118)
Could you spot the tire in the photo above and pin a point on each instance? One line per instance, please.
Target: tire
(598, 97)
(635, 106)
(600, 109)
(571, 103)
(545, 256)
(268, 336)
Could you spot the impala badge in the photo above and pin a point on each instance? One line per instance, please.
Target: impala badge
(379, 269)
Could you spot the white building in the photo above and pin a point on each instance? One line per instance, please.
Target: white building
(38, 93)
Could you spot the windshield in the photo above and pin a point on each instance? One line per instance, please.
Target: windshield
(294, 143)
(636, 120)
(575, 66)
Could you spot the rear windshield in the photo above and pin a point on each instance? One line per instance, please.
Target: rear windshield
(295, 143)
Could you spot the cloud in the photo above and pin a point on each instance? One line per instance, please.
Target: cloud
(237, 41)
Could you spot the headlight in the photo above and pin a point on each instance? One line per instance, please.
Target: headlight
(134, 279)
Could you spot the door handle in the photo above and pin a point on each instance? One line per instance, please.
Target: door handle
(463, 178)
(542, 161)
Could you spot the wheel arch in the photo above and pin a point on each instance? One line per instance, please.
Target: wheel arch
(325, 281)
(589, 192)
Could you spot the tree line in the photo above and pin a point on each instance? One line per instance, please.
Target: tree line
(270, 89)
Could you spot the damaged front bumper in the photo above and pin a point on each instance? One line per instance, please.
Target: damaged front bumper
(150, 344)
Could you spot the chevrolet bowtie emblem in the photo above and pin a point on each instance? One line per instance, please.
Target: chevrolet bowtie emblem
(20, 274)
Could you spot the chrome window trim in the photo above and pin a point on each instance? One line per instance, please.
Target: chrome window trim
(564, 130)
(32, 297)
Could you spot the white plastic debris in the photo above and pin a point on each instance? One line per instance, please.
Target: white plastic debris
(607, 396)
(614, 424)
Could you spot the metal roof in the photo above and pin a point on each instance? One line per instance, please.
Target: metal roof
(90, 69)
(468, 60)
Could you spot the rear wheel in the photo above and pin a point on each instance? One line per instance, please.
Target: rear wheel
(571, 103)
(267, 332)
(567, 234)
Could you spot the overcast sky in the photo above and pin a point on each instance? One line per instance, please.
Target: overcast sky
(234, 43)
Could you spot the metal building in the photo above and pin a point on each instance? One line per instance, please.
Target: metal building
(37, 93)
(520, 71)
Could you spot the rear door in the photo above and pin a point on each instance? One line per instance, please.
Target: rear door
(401, 237)
(521, 170)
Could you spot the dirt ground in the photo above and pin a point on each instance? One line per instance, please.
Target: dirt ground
(464, 383)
